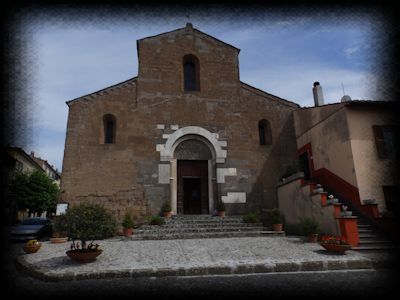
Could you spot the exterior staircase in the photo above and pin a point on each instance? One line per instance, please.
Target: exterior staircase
(371, 238)
(202, 226)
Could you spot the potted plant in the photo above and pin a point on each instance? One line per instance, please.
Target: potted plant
(167, 210)
(318, 188)
(220, 208)
(156, 220)
(59, 234)
(332, 200)
(127, 225)
(309, 227)
(87, 222)
(32, 246)
(345, 212)
(276, 219)
(251, 218)
(336, 244)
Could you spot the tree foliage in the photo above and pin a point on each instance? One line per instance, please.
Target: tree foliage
(35, 192)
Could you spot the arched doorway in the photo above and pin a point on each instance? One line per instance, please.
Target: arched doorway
(193, 156)
(218, 156)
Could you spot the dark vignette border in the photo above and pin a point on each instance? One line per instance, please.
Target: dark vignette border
(15, 90)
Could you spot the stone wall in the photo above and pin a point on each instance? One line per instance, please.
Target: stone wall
(151, 108)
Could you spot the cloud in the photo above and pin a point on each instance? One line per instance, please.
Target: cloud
(295, 82)
(349, 52)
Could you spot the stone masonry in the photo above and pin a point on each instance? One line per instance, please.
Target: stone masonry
(154, 116)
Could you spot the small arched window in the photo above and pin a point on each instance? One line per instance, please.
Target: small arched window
(264, 131)
(109, 124)
(191, 73)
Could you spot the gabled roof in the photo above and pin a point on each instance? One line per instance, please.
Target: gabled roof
(24, 154)
(189, 27)
(272, 97)
(105, 90)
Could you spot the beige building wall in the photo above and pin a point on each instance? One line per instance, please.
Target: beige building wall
(27, 165)
(326, 128)
(371, 171)
(295, 201)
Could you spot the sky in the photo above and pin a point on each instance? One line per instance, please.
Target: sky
(280, 55)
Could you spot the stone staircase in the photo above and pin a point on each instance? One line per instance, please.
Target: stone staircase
(371, 239)
(202, 226)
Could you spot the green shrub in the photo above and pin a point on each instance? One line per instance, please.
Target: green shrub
(89, 222)
(220, 206)
(166, 207)
(308, 226)
(276, 216)
(251, 218)
(128, 222)
(156, 220)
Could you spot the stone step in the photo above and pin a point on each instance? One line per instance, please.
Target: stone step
(366, 231)
(367, 236)
(374, 248)
(364, 226)
(370, 242)
(205, 217)
(230, 221)
(204, 235)
(211, 229)
(179, 226)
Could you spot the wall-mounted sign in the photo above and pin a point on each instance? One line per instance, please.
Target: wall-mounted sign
(61, 208)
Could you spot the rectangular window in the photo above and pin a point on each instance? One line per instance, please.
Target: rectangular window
(385, 140)
(18, 166)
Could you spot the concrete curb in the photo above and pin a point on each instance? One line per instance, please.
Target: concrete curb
(307, 266)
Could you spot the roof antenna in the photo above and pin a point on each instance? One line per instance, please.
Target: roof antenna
(343, 89)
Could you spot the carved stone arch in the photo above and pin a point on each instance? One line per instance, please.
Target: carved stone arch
(188, 132)
(183, 137)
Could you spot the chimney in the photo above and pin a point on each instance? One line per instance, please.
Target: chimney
(32, 153)
(318, 96)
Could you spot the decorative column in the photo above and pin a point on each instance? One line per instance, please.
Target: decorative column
(174, 186)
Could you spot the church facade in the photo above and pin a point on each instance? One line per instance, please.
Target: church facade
(185, 130)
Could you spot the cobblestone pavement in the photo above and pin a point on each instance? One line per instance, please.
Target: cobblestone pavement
(193, 255)
(126, 258)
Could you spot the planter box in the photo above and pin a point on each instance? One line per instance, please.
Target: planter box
(57, 240)
(341, 249)
(83, 257)
(32, 249)
(369, 201)
(347, 213)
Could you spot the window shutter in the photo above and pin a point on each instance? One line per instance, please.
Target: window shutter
(379, 141)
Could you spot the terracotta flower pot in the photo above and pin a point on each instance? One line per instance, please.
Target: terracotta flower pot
(277, 227)
(221, 214)
(167, 214)
(57, 240)
(32, 249)
(83, 257)
(341, 249)
(127, 231)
